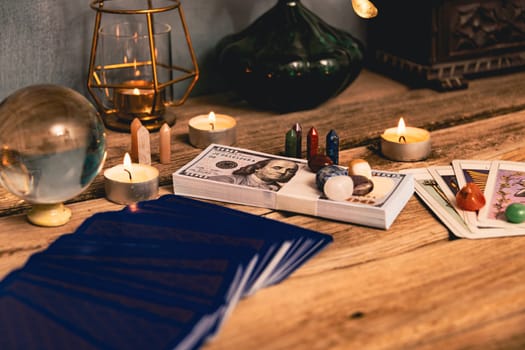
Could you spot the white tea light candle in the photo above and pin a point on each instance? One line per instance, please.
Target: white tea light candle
(131, 182)
(212, 128)
(405, 144)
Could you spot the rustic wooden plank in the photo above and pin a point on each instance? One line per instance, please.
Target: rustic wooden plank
(407, 301)
(491, 142)
(368, 86)
(495, 138)
(359, 115)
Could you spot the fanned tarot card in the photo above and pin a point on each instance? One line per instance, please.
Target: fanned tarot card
(428, 189)
(475, 171)
(432, 192)
(446, 178)
(448, 183)
(505, 185)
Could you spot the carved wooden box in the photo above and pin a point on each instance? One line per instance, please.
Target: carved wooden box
(442, 43)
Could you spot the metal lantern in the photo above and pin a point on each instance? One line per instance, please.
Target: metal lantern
(131, 74)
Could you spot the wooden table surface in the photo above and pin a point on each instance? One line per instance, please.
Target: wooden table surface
(413, 286)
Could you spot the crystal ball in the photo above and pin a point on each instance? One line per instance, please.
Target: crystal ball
(52, 141)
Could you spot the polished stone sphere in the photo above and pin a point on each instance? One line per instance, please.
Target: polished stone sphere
(52, 141)
(327, 172)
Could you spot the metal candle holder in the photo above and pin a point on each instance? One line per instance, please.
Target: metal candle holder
(133, 76)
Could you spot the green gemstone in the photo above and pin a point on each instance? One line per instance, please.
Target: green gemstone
(515, 213)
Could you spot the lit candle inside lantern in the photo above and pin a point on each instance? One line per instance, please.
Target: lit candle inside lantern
(137, 99)
(406, 144)
(129, 182)
(204, 130)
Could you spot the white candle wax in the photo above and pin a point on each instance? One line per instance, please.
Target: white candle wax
(139, 173)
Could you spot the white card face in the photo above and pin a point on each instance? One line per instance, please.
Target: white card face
(475, 171)
(430, 192)
(447, 181)
(505, 185)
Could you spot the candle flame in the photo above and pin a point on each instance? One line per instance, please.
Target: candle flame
(136, 91)
(127, 161)
(137, 71)
(212, 119)
(401, 128)
(127, 165)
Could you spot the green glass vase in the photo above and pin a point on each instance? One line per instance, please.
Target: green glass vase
(289, 59)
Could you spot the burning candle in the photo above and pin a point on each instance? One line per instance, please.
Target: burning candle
(137, 99)
(212, 128)
(129, 182)
(405, 144)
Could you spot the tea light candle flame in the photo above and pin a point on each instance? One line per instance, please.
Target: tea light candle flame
(127, 165)
(212, 119)
(401, 130)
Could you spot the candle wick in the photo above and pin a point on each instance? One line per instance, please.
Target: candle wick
(212, 126)
(402, 139)
(129, 173)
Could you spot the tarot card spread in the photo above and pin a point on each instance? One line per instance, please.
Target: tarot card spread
(162, 274)
(502, 183)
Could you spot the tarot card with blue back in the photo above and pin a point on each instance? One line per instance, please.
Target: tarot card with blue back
(103, 322)
(174, 276)
(24, 327)
(155, 228)
(305, 243)
(60, 293)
